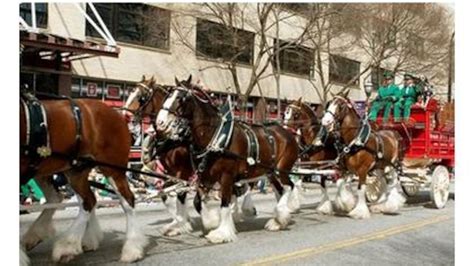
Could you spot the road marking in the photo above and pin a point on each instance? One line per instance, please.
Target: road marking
(348, 242)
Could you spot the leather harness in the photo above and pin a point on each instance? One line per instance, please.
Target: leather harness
(37, 145)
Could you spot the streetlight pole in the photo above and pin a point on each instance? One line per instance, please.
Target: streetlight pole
(450, 70)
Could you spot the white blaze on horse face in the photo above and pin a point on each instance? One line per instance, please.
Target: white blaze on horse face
(287, 117)
(131, 98)
(164, 117)
(328, 117)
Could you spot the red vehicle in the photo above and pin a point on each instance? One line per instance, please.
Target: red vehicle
(429, 150)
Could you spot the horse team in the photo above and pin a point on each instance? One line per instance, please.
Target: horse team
(192, 137)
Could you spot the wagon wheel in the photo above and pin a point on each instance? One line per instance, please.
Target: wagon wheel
(440, 186)
(376, 186)
(410, 189)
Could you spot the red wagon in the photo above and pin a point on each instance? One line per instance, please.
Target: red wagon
(429, 151)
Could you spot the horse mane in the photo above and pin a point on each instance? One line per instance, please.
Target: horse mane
(350, 104)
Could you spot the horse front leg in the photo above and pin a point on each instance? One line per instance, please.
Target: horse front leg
(176, 206)
(325, 205)
(226, 231)
(282, 210)
(361, 210)
(345, 200)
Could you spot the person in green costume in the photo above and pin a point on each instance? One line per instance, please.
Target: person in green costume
(407, 97)
(387, 96)
(32, 188)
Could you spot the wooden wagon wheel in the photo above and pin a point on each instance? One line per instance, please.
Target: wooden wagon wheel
(376, 186)
(440, 186)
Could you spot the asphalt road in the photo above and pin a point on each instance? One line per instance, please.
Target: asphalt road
(418, 235)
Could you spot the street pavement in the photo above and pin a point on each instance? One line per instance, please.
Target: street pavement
(418, 235)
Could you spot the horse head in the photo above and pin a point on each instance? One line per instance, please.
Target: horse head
(298, 114)
(141, 98)
(336, 111)
(177, 109)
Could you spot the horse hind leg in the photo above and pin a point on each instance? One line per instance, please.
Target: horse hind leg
(43, 227)
(70, 243)
(135, 241)
(393, 199)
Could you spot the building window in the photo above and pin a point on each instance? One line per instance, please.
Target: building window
(377, 76)
(218, 41)
(134, 23)
(295, 59)
(41, 14)
(343, 70)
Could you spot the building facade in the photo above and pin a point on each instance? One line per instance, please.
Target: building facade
(173, 40)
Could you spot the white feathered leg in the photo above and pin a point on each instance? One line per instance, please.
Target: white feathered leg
(325, 205)
(135, 240)
(93, 234)
(209, 215)
(361, 211)
(282, 212)
(226, 231)
(294, 201)
(43, 227)
(70, 243)
(394, 200)
(248, 208)
(179, 213)
(345, 200)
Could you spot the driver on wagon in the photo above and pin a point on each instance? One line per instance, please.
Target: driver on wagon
(387, 96)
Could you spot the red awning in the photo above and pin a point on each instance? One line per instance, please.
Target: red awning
(70, 49)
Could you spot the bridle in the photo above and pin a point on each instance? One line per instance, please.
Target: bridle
(300, 123)
(145, 99)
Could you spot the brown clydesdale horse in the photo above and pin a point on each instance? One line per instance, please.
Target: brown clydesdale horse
(315, 146)
(147, 99)
(189, 102)
(382, 152)
(104, 137)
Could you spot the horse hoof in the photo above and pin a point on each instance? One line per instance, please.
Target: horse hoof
(178, 229)
(131, 254)
(273, 225)
(360, 213)
(66, 249)
(221, 236)
(325, 208)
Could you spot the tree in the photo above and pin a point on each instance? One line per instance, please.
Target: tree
(263, 19)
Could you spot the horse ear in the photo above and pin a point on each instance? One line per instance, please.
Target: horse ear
(143, 78)
(189, 79)
(176, 81)
(153, 80)
(299, 101)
